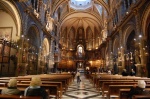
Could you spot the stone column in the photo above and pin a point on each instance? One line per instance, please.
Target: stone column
(51, 55)
(110, 58)
(139, 41)
(122, 47)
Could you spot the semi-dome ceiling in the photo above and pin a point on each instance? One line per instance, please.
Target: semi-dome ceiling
(80, 4)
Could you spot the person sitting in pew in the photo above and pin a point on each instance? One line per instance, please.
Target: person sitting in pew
(35, 89)
(138, 90)
(124, 73)
(132, 73)
(12, 88)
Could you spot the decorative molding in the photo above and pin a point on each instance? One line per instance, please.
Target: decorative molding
(21, 0)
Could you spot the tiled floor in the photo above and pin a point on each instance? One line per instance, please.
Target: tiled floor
(84, 90)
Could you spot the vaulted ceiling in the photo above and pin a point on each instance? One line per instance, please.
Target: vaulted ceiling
(81, 26)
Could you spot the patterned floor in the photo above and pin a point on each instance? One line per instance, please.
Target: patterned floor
(84, 90)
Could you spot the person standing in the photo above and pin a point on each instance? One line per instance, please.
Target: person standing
(132, 73)
(78, 77)
(124, 73)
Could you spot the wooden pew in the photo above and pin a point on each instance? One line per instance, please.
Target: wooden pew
(105, 86)
(102, 81)
(123, 93)
(17, 97)
(20, 88)
(141, 97)
(52, 89)
(104, 77)
(4, 81)
(59, 84)
(113, 78)
(59, 80)
(5, 78)
(114, 89)
(66, 79)
(63, 81)
(2, 84)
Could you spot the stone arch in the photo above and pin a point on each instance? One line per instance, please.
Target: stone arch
(116, 45)
(71, 36)
(97, 36)
(128, 29)
(145, 21)
(34, 36)
(10, 29)
(89, 38)
(33, 48)
(12, 10)
(146, 34)
(46, 46)
(80, 33)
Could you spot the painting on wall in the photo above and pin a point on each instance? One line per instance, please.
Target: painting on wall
(6, 33)
(6, 50)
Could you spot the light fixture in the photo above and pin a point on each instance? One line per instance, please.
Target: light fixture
(140, 36)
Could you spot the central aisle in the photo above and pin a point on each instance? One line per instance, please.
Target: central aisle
(84, 90)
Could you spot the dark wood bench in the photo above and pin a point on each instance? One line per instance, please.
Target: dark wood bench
(114, 89)
(59, 84)
(123, 93)
(141, 97)
(17, 97)
(105, 86)
(3, 84)
(102, 81)
(120, 79)
(52, 89)
(20, 88)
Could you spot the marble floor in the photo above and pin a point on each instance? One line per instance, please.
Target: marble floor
(83, 90)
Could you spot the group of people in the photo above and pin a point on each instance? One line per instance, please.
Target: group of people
(125, 73)
(34, 89)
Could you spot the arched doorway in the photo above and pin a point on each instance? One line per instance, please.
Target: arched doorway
(131, 53)
(10, 29)
(44, 57)
(148, 45)
(115, 56)
(32, 47)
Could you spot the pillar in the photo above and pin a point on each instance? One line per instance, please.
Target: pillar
(122, 48)
(110, 53)
(139, 41)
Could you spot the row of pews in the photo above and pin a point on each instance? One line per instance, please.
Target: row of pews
(117, 85)
(55, 84)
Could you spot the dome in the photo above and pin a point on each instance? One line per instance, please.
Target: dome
(80, 4)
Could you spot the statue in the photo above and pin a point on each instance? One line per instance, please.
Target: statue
(36, 13)
(49, 24)
(137, 58)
